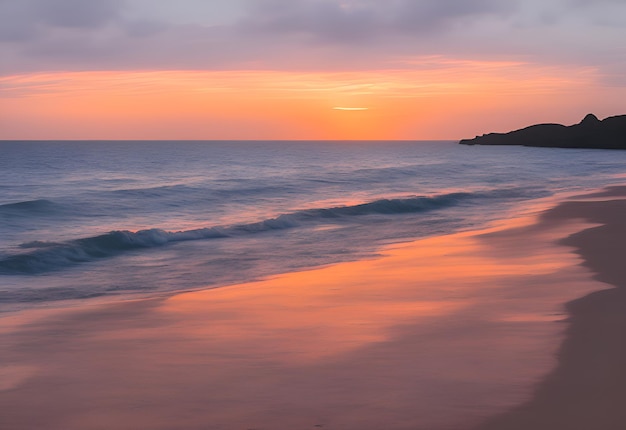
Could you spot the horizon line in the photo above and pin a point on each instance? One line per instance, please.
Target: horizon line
(226, 140)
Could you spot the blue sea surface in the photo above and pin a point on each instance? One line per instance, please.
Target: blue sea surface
(118, 219)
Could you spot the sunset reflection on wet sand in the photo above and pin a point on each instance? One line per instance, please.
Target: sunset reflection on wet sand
(439, 332)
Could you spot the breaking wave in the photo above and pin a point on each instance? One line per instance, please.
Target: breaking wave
(44, 256)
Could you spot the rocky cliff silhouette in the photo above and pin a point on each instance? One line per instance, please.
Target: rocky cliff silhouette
(609, 133)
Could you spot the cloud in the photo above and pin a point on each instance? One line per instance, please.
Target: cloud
(15, 21)
(320, 19)
(22, 20)
(76, 13)
(362, 20)
(350, 108)
(70, 35)
(433, 15)
(38, 35)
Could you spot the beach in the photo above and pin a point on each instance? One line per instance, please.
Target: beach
(587, 388)
(312, 214)
(514, 327)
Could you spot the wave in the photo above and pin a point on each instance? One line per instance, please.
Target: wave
(43, 295)
(32, 206)
(158, 191)
(239, 187)
(43, 256)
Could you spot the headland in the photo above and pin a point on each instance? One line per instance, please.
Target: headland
(610, 133)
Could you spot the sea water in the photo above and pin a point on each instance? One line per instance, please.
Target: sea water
(85, 220)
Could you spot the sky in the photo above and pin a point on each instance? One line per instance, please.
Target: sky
(305, 69)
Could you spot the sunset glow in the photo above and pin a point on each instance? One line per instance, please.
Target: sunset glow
(312, 214)
(304, 69)
(413, 102)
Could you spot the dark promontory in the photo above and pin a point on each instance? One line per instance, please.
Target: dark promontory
(609, 133)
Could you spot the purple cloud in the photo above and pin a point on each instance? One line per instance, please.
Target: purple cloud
(76, 13)
(22, 20)
(356, 21)
(37, 35)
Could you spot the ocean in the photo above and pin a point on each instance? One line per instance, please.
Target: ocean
(88, 221)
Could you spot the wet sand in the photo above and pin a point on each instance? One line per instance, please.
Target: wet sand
(467, 331)
(587, 389)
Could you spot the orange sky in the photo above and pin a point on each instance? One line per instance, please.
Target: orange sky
(278, 69)
(430, 98)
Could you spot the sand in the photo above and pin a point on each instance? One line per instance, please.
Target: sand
(587, 389)
(467, 331)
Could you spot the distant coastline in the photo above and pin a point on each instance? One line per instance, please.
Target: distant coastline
(609, 133)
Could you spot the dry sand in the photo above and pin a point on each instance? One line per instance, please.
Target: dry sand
(451, 332)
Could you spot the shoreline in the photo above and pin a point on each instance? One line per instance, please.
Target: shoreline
(341, 346)
(587, 388)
